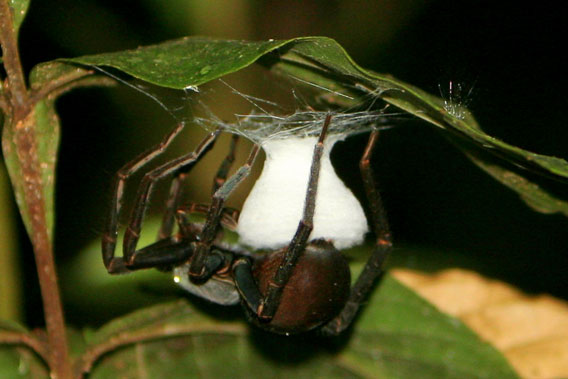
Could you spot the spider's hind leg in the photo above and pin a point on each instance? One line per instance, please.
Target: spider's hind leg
(383, 246)
(225, 166)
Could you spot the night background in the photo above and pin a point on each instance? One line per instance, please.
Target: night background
(444, 211)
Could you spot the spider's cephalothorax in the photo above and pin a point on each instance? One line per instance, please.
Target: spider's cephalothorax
(302, 283)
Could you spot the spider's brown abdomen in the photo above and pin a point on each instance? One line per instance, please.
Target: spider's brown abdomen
(316, 292)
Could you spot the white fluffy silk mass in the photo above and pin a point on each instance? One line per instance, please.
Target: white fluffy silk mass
(273, 209)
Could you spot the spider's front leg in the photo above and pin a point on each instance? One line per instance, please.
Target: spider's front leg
(204, 262)
(126, 263)
(269, 304)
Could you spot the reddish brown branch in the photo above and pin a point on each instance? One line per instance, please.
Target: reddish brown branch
(4, 103)
(15, 83)
(23, 131)
(59, 84)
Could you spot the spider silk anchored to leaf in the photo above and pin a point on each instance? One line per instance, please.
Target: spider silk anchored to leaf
(287, 270)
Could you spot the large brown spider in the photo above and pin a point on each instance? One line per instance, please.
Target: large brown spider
(302, 286)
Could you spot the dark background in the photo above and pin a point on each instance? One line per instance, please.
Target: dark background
(444, 211)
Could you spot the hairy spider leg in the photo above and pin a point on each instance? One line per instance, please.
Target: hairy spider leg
(204, 260)
(174, 197)
(116, 264)
(183, 163)
(229, 217)
(266, 306)
(191, 231)
(172, 204)
(173, 251)
(111, 233)
(383, 246)
(225, 166)
(163, 255)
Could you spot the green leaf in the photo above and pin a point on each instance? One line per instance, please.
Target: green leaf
(531, 193)
(21, 362)
(39, 130)
(398, 335)
(321, 61)
(20, 8)
(183, 63)
(330, 56)
(17, 360)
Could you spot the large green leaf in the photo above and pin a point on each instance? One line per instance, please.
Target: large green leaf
(401, 335)
(183, 63)
(398, 335)
(321, 61)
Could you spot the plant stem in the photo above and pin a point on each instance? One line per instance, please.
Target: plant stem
(28, 340)
(22, 123)
(16, 85)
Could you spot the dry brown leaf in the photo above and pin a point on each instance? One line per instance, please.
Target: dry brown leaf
(531, 331)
